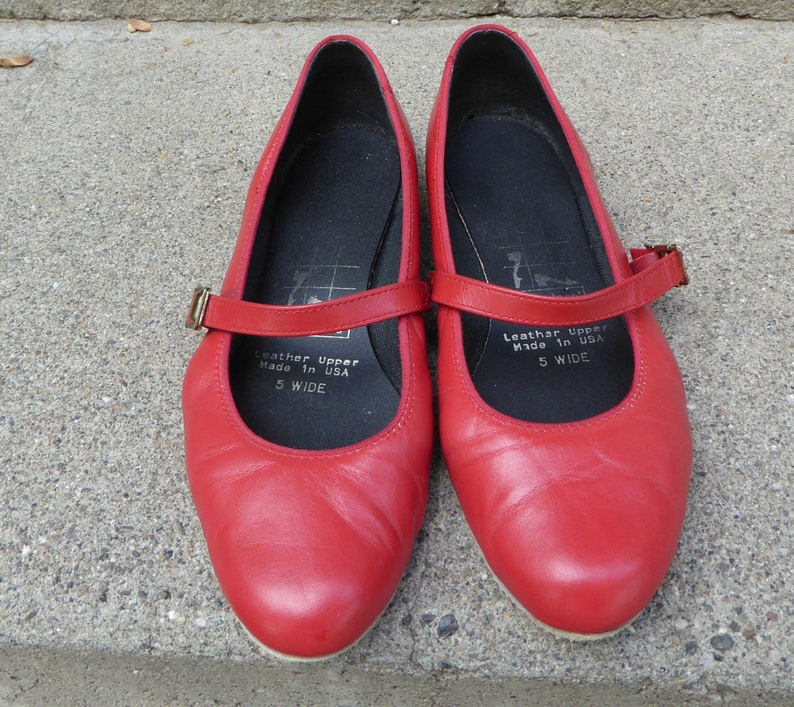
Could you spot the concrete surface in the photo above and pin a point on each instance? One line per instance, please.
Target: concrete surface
(761, 9)
(297, 10)
(125, 161)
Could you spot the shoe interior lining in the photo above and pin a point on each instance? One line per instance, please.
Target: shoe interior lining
(331, 226)
(519, 217)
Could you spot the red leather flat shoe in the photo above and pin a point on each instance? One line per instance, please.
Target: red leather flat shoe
(308, 405)
(562, 411)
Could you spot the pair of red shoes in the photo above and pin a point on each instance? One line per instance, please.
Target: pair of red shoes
(308, 405)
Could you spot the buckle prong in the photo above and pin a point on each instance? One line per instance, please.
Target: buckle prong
(198, 305)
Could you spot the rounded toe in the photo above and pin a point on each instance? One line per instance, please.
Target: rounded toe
(304, 618)
(305, 597)
(582, 559)
(306, 571)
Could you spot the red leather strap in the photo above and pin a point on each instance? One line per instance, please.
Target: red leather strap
(651, 280)
(340, 314)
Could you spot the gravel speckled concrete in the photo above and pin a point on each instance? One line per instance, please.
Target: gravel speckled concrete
(126, 159)
(298, 10)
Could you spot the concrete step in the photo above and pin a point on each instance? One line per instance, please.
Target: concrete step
(299, 10)
(126, 158)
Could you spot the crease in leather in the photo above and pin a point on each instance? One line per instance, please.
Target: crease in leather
(646, 430)
(291, 609)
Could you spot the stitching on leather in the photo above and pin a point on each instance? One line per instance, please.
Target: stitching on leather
(272, 151)
(410, 308)
(596, 297)
(331, 304)
(226, 404)
(453, 329)
(474, 284)
(408, 166)
(405, 411)
(352, 325)
(467, 386)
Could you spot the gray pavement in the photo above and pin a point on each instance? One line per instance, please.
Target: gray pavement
(126, 158)
(298, 10)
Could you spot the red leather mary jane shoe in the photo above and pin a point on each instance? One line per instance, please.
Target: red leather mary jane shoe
(308, 405)
(562, 412)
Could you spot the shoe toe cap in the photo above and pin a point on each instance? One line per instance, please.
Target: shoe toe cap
(586, 557)
(301, 615)
(306, 571)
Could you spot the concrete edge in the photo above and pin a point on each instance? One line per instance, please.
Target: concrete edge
(305, 10)
(44, 675)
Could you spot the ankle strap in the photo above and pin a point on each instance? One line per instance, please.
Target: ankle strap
(359, 309)
(656, 270)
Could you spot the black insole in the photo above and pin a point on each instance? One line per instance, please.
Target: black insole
(515, 221)
(337, 203)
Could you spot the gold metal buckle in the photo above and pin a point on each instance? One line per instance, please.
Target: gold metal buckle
(198, 305)
(667, 250)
